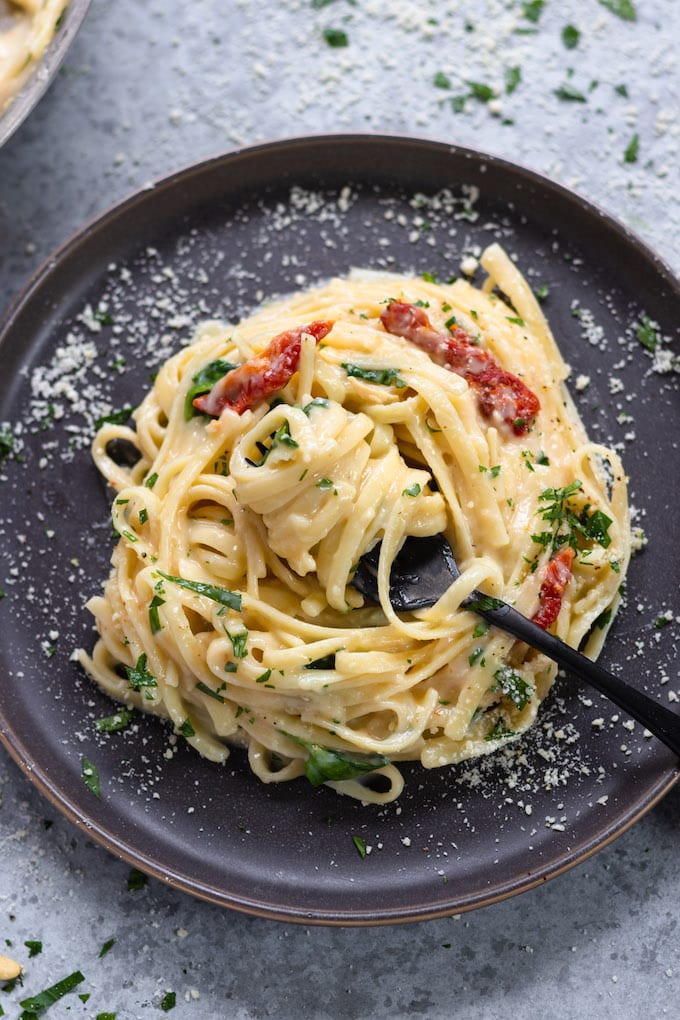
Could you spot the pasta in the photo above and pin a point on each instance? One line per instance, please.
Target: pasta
(25, 32)
(384, 407)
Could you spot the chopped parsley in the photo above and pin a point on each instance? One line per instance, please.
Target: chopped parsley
(325, 765)
(109, 944)
(34, 948)
(570, 37)
(186, 729)
(568, 524)
(154, 619)
(239, 642)
(112, 723)
(569, 94)
(151, 480)
(225, 597)
(139, 676)
(381, 376)
(317, 402)
(203, 382)
(115, 417)
(647, 333)
(335, 37)
(168, 1002)
(361, 846)
(441, 80)
(624, 9)
(478, 90)
(41, 1001)
(499, 732)
(281, 437)
(90, 775)
(414, 490)
(209, 691)
(513, 76)
(6, 444)
(513, 685)
(631, 152)
(532, 10)
(325, 662)
(136, 880)
(325, 483)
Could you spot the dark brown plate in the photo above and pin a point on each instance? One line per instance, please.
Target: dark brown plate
(45, 71)
(213, 240)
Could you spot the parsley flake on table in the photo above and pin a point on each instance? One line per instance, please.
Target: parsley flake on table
(532, 10)
(513, 76)
(624, 9)
(41, 1001)
(567, 93)
(570, 37)
(335, 37)
(630, 154)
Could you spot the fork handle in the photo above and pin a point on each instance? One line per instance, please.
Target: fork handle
(660, 721)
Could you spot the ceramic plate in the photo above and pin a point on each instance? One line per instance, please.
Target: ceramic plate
(215, 240)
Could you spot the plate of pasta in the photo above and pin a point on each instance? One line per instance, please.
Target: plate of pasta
(304, 353)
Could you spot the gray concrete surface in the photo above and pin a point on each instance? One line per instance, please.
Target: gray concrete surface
(149, 87)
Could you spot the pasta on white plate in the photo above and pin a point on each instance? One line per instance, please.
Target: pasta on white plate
(272, 455)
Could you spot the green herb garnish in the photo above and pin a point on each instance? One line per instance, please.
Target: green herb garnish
(631, 152)
(139, 676)
(414, 490)
(532, 10)
(513, 76)
(154, 619)
(570, 37)
(225, 597)
(112, 723)
(115, 417)
(335, 37)
(209, 691)
(168, 1002)
(361, 846)
(513, 685)
(624, 9)
(46, 998)
(239, 643)
(647, 333)
(203, 382)
(324, 765)
(136, 880)
(381, 376)
(570, 94)
(90, 776)
(317, 402)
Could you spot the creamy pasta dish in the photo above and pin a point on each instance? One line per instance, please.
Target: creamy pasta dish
(26, 28)
(270, 456)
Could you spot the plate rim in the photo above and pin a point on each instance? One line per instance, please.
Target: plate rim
(100, 831)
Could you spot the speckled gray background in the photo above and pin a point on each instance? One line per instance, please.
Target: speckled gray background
(149, 87)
